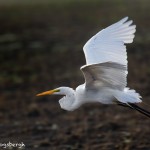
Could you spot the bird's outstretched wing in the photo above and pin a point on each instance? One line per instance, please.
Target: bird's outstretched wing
(108, 74)
(108, 44)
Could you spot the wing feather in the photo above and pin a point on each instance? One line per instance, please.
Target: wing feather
(109, 74)
(108, 44)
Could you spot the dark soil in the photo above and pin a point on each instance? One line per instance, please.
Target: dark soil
(41, 49)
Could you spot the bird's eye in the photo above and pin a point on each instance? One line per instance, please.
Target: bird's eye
(57, 90)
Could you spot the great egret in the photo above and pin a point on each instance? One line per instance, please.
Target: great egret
(105, 71)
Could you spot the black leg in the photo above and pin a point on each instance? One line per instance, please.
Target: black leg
(135, 107)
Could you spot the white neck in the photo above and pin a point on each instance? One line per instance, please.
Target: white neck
(68, 101)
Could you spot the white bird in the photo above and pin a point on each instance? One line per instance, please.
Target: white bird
(105, 71)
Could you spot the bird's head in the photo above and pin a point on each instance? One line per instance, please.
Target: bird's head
(67, 101)
(57, 91)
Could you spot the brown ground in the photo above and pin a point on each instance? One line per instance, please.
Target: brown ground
(41, 48)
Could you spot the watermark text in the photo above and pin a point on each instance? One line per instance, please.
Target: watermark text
(20, 145)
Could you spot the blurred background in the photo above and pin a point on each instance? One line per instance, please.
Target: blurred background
(41, 48)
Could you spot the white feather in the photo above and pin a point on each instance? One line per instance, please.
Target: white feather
(110, 40)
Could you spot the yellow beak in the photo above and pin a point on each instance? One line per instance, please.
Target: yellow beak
(48, 92)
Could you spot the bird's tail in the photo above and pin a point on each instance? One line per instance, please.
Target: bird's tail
(128, 97)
